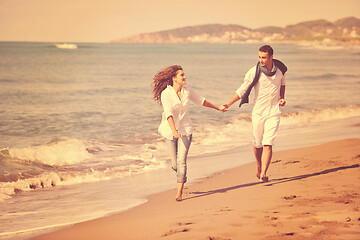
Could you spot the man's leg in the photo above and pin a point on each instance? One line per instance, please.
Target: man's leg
(271, 128)
(258, 131)
(258, 154)
(265, 161)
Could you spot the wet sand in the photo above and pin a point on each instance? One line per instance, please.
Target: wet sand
(313, 193)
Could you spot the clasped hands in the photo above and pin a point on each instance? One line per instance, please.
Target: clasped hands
(226, 106)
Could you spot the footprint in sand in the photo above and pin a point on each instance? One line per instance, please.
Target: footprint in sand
(291, 197)
(171, 232)
(291, 162)
(222, 211)
(184, 224)
(218, 238)
(289, 234)
(181, 230)
(276, 161)
(271, 218)
(226, 209)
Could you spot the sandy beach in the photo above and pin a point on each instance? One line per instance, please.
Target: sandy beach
(313, 193)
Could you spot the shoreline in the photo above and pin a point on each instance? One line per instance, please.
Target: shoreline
(311, 193)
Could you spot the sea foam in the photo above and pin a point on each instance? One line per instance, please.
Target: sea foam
(319, 115)
(58, 152)
(65, 161)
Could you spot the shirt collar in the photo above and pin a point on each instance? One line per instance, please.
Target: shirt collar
(273, 66)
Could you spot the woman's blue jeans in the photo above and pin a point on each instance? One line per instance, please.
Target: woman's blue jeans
(178, 149)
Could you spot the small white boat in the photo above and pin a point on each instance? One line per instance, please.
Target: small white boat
(66, 45)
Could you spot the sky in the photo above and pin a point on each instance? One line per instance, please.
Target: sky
(106, 20)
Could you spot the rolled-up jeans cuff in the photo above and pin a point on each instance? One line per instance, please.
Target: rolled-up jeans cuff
(182, 179)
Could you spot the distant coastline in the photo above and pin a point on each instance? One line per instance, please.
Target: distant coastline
(342, 31)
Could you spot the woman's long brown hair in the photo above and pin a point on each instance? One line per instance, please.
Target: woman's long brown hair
(162, 79)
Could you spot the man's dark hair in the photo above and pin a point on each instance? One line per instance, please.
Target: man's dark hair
(268, 49)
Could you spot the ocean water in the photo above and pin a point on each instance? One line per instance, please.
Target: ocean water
(78, 127)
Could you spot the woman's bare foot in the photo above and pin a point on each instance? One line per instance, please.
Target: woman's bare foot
(178, 196)
(180, 191)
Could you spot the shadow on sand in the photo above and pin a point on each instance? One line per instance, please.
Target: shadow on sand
(271, 182)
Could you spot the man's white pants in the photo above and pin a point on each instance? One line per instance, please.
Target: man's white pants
(264, 129)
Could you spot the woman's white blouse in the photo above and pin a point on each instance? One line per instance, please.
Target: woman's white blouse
(178, 110)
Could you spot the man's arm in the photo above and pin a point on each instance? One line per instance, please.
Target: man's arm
(234, 99)
(282, 101)
(240, 92)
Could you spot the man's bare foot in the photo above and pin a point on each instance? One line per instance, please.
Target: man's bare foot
(264, 179)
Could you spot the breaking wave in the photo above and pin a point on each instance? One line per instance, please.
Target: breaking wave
(319, 115)
(65, 161)
(58, 152)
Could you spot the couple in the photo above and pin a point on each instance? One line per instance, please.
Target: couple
(268, 80)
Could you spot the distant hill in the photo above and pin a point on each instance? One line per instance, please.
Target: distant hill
(345, 30)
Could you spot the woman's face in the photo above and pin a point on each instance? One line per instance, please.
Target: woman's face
(180, 78)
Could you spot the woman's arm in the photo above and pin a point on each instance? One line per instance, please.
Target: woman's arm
(168, 111)
(210, 105)
(171, 122)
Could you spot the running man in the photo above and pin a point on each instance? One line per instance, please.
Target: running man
(268, 80)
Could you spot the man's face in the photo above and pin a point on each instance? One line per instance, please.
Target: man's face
(265, 60)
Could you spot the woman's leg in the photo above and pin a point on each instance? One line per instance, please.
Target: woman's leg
(172, 146)
(183, 150)
(180, 191)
